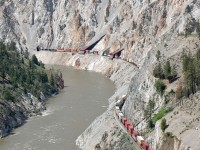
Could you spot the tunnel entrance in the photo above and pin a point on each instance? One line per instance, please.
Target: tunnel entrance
(91, 46)
(117, 54)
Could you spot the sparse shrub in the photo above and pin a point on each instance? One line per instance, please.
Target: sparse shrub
(163, 124)
(169, 134)
(160, 86)
(151, 125)
(179, 92)
(171, 91)
(162, 112)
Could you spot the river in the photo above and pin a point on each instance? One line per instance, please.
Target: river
(68, 114)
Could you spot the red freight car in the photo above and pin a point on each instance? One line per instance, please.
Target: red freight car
(144, 145)
(124, 120)
(110, 55)
(68, 50)
(87, 51)
(75, 51)
(95, 52)
(134, 135)
(127, 124)
(81, 52)
(130, 129)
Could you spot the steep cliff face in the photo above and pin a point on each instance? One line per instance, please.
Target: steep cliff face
(140, 27)
(134, 25)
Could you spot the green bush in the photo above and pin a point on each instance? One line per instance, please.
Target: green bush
(160, 86)
(151, 125)
(160, 114)
(7, 94)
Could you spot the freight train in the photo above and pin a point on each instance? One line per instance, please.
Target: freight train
(130, 128)
(115, 54)
(95, 52)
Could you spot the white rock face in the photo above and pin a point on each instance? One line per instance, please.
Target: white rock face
(141, 27)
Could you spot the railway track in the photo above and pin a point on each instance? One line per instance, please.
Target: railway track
(124, 129)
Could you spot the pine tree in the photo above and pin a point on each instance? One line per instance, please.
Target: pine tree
(198, 29)
(52, 80)
(190, 72)
(167, 70)
(22, 61)
(160, 86)
(148, 113)
(7, 94)
(26, 54)
(198, 69)
(158, 55)
(158, 72)
(163, 124)
(35, 60)
(173, 72)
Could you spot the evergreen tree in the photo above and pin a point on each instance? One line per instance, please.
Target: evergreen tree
(160, 86)
(148, 113)
(167, 70)
(7, 94)
(163, 124)
(26, 54)
(198, 54)
(173, 72)
(43, 77)
(42, 64)
(11, 46)
(3, 74)
(198, 29)
(198, 69)
(52, 80)
(35, 60)
(190, 73)
(2, 46)
(158, 55)
(149, 109)
(22, 61)
(158, 72)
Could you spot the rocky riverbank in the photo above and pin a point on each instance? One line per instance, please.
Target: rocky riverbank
(13, 115)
